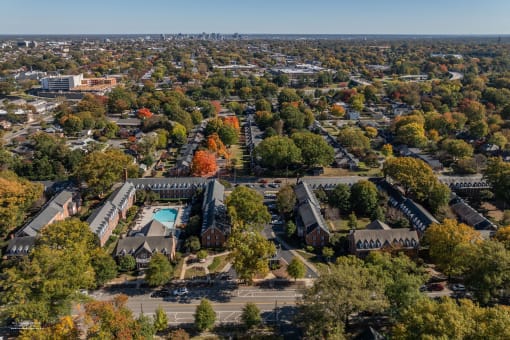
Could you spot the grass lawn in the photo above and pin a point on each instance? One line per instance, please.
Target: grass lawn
(341, 225)
(193, 272)
(218, 264)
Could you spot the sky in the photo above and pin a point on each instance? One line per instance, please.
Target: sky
(255, 16)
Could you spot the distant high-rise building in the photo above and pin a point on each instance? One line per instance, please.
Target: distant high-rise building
(61, 83)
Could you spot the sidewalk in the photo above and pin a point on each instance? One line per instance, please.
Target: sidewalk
(296, 254)
(204, 265)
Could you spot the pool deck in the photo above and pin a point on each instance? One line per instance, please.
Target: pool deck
(146, 214)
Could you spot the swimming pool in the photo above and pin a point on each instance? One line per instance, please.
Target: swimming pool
(166, 216)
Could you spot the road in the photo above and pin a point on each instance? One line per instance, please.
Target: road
(228, 302)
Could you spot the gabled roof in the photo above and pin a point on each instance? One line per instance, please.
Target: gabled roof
(377, 239)
(377, 225)
(20, 245)
(167, 183)
(100, 218)
(119, 196)
(154, 228)
(133, 245)
(309, 209)
(47, 214)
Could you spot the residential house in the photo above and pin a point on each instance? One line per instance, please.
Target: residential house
(104, 219)
(63, 205)
(468, 215)
(309, 221)
(153, 238)
(434, 163)
(215, 226)
(170, 187)
(378, 236)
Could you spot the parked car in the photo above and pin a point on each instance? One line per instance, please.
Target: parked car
(436, 287)
(180, 291)
(423, 288)
(458, 287)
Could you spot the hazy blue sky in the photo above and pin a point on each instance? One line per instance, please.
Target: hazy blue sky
(256, 16)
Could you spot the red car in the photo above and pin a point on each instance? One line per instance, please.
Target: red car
(436, 287)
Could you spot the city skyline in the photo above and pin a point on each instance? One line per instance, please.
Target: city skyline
(263, 17)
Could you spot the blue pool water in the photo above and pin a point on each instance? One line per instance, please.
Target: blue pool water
(166, 216)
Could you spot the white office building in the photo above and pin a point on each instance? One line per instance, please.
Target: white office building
(61, 83)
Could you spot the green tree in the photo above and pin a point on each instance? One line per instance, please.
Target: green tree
(228, 135)
(340, 197)
(478, 129)
(246, 208)
(104, 267)
(314, 149)
(43, 286)
(286, 199)
(357, 102)
(202, 254)
(412, 134)
(277, 152)
(296, 269)
(328, 253)
(100, 170)
(205, 316)
(288, 96)
(348, 287)
(497, 174)
(251, 315)
(353, 139)
(290, 229)
(192, 243)
(457, 148)
(146, 325)
(127, 263)
(364, 197)
(293, 117)
(159, 271)
(353, 221)
(250, 252)
(160, 320)
(179, 134)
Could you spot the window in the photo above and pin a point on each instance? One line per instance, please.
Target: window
(208, 237)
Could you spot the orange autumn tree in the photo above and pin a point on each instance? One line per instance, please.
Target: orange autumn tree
(204, 163)
(337, 110)
(214, 144)
(144, 113)
(232, 121)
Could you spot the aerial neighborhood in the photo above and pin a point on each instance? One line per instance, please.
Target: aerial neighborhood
(287, 187)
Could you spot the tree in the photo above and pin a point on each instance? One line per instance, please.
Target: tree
(328, 253)
(364, 197)
(65, 328)
(160, 319)
(277, 152)
(296, 269)
(179, 134)
(478, 129)
(146, 324)
(290, 229)
(104, 267)
(445, 239)
(251, 315)
(348, 287)
(178, 334)
(353, 221)
(127, 263)
(249, 252)
(293, 117)
(498, 139)
(228, 135)
(159, 271)
(192, 243)
(144, 113)
(286, 199)
(497, 174)
(246, 208)
(205, 317)
(340, 197)
(110, 319)
(100, 170)
(353, 139)
(16, 196)
(357, 102)
(411, 134)
(288, 95)
(43, 286)
(457, 148)
(204, 163)
(449, 319)
(202, 254)
(314, 149)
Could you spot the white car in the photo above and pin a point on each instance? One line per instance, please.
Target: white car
(180, 291)
(458, 287)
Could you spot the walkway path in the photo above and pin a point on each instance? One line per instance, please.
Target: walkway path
(204, 265)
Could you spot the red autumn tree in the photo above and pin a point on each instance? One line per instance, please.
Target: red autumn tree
(217, 105)
(144, 113)
(204, 163)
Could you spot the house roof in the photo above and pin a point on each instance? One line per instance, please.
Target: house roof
(213, 209)
(20, 245)
(100, 218)
(154, 228)
(134, 244)
(470, 216)
(377, 239)
(167, 183)
(47, 214)
(377, 225)
(119, 197)
(309, 209)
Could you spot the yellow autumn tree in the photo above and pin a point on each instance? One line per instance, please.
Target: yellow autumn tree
(448, 242)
